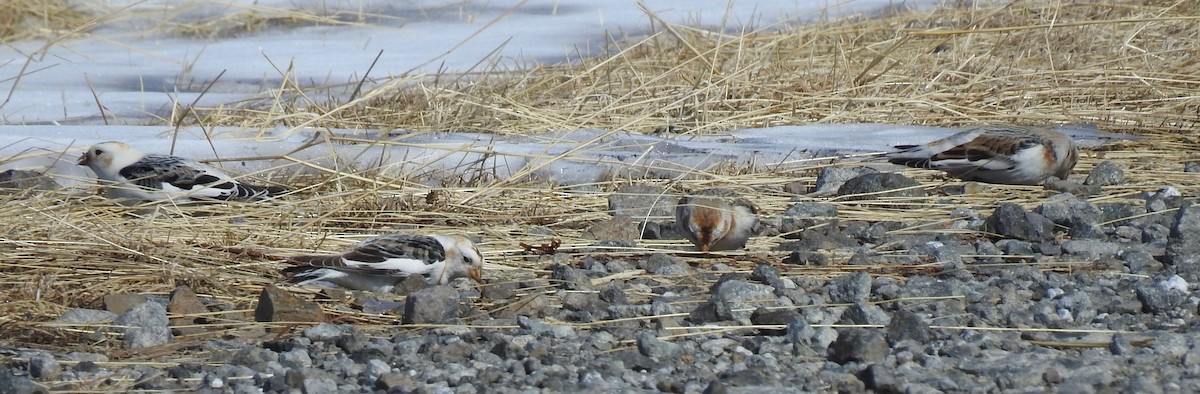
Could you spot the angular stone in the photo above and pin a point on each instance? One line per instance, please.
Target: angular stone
(803, 215)
(650, 346)
(618, 228)
(184, 302)
(1011, 221)
(437, 304)
(20, 180)
(1183, 243)
(122, 302)
(44, 367)
(85, 316)
(830, 179)
(570, 278)
(906, 325)
(881, 186)
(850, 288)
(277, 305)
(859, 345)
(1106, 173)
(782, 317)
(146, 325)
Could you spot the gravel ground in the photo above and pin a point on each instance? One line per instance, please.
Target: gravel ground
(1072, 296)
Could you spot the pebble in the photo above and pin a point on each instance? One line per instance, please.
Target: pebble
(146, 325)
(1106, 173)
(1011, 221)
(878, 186)
(432, 305)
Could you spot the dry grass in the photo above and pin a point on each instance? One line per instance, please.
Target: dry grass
(38, 19)
(1127, 68)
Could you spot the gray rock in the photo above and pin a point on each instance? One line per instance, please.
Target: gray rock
(1160, 297)
(10, 382)
(881, 186)
(86, 316)
(146, 325)
(122, 302)
(663, 264)
(765, 274)
(575, 301)
(19, 180)
(830, 179)
(850, 288)
(1119, 214)
(1164, 199)
(44, 367)
(804, 215)
(1120, 345)
(325, 332)
(1141, 262)
(1062, 208)
(500, 290)
(731, 295)
(1191, 166)
(799, 332)
(650, 346)
(905, 325)
(880, 379)
(858, 345)
(1012, 247)
(1183, 243)
(319, 385)
(1065, 186)
(807, 258)
(436, 304)
(642, 202)
(865, 313)
(612, 293)
(296, 359)
(570, 278)
(1011, 221)
(765, 317)
(1090, 249)
(1106, 173)
(617, 228)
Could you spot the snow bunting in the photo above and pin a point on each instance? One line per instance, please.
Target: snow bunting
(379, 263)
(1016, 155)
(129, 174)
(716, 219)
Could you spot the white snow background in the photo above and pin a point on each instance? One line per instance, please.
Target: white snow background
(55, 90)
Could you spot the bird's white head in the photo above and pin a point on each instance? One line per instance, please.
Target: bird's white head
(462, 259)
(108, 158)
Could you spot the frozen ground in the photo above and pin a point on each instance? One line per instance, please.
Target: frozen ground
(136, 71)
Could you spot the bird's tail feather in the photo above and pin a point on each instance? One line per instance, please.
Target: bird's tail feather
(250, 192)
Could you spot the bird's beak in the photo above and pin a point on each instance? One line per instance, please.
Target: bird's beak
(84, 160)
(476, 274)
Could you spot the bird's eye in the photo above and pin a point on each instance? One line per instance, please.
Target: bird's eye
(99, 152)
(467, 259)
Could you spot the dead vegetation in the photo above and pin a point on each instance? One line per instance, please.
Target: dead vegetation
(1128, 68)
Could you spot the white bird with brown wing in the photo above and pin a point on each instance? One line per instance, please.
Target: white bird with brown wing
(716, 219)
(379, 263)
(1015, 155)
(133, 176)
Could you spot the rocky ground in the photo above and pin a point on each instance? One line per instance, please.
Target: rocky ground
(1071, 296)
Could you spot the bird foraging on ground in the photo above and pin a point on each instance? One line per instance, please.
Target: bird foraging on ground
(133, 176)
(716, 219)
(1016, 155)
(379, 263)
